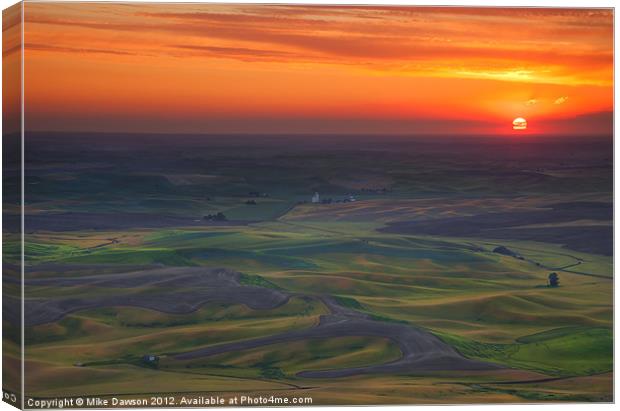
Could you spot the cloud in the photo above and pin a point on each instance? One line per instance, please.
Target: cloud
(423, 36)
(589, 124)
(6, 51)
(51, 48)
(531, 102)
(240, 53)
(560, 100)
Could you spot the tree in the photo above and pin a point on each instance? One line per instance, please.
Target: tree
(215, 217)
(554, 280)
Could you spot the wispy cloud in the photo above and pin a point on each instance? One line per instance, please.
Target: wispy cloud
(560, 100)
(240, 53)
(442, 40)
(78, 50)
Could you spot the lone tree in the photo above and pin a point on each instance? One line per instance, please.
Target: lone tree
(554, 280)
(215, 217)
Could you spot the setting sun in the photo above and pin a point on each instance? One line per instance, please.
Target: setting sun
(519, 123)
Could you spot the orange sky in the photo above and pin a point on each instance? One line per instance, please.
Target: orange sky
(302, 69)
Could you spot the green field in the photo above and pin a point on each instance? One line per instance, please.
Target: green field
(488, 306)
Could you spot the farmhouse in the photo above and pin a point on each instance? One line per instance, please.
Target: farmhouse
(149, 358)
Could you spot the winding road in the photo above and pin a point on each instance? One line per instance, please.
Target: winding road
(186, 289)
(420, 350)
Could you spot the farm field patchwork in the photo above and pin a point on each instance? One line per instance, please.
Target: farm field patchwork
(396, 288)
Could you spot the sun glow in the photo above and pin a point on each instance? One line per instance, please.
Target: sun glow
(519, 123)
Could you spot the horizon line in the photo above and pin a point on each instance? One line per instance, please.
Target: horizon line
(317, 134)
